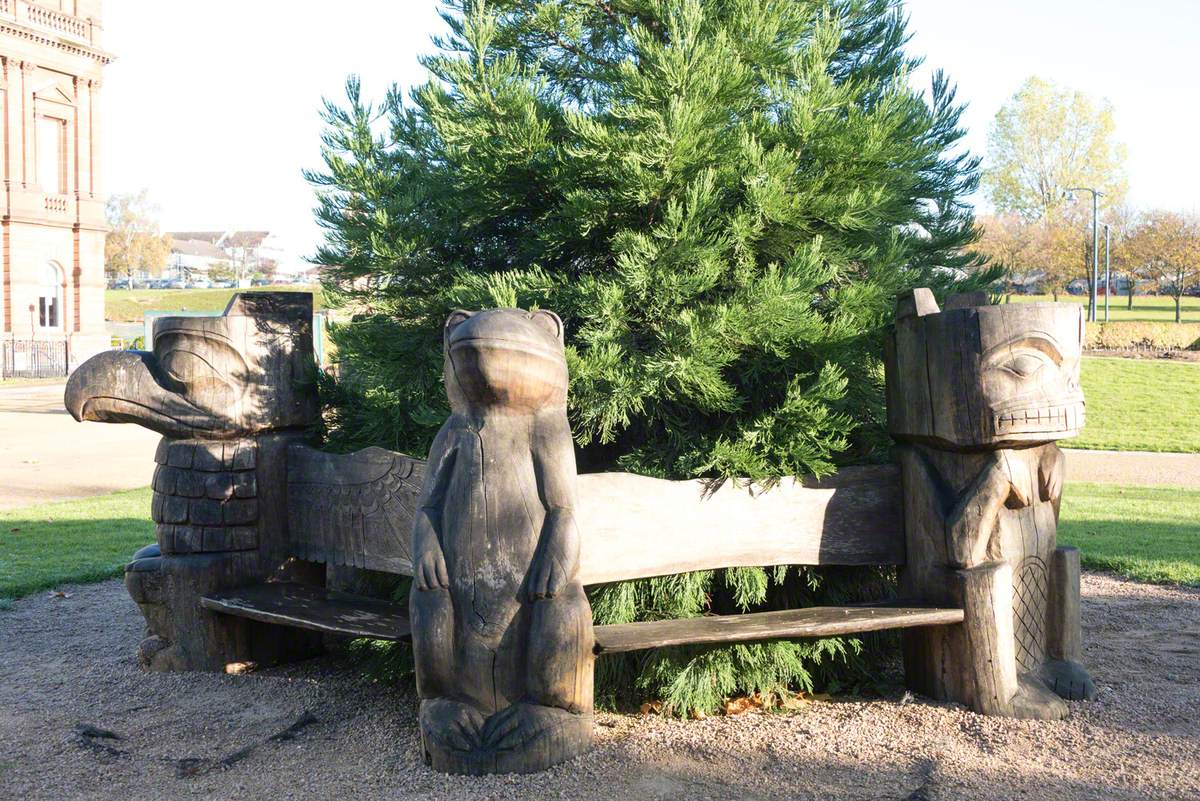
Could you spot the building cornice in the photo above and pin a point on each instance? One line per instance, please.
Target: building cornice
(44, 38)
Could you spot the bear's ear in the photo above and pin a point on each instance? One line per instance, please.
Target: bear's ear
(456, 318)
(549, 321)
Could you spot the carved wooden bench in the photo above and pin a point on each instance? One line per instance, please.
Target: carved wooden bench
(637, 527)
(261, 537)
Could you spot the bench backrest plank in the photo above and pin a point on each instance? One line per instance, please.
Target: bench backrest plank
(634, 526)
(357, 510)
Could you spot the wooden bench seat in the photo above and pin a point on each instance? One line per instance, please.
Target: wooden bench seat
(816, 621)
(312, 608)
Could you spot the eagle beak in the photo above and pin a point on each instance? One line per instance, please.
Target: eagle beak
(121, 387)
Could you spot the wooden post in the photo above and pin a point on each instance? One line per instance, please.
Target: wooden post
(228, 394)
(1063, 671)
(977, 395)
(986, 593)
(502, 631)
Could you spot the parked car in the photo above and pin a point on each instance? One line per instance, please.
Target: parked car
(172, 283)
(260, 282)
(223, 284)
(199, 283)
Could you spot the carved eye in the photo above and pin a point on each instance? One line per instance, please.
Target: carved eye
(1026, 363)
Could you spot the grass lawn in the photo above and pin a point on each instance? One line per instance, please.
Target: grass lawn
(1140, 405)
(1143, 533)
(50, 544)
(130, 305)
(1150, 308)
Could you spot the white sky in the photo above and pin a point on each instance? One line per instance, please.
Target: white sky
(214, 106)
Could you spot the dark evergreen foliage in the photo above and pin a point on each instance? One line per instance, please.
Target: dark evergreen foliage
(721, 198)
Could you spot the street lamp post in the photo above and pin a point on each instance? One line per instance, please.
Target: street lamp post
(1107, 267)
(1095, 247)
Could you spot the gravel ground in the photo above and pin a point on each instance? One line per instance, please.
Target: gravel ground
(67, 664)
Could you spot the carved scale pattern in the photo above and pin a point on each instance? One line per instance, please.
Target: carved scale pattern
(1030, 602)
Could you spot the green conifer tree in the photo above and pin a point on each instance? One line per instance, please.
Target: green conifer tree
(721, 198)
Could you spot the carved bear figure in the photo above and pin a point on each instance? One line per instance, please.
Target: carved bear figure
(502, 630)
(977, 395)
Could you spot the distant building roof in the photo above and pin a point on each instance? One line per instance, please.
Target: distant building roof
(210, 237)
(238, 239)
(244, 239)
(201, 248)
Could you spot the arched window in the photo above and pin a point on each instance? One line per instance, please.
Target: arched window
(50, 297)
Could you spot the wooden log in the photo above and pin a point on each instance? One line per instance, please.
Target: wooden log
(347, 510)
(828, 621)
(1063, 672)
(986, 593)
(1064, 637)
(639, 526)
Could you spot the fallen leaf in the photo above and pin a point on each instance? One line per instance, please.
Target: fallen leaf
(60, 594)
(797, 701)
(652, 707)
(698, 714)
(743, 703)
(240, 668)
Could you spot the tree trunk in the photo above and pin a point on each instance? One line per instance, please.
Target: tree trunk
(1178, 303)
(1132, 284)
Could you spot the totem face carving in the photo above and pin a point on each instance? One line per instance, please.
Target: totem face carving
(991, 375)
(977, 395)
(224, 392)
(239, 374)
(502, 632)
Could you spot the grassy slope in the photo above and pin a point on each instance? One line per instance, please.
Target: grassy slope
(1144, 533)
(1140, 405)
(71, 541)
(1151, 308)
(129, 306)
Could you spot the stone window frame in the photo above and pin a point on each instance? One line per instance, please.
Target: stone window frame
(61, 124)
(52, 288)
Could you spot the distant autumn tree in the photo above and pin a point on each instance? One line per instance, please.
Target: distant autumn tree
(1050, 246)
(1005, 240)
(1056, 247)
(134, 243)
(1166, 248)
(1047, 140)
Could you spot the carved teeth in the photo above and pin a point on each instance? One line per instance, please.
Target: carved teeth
(1040, 419)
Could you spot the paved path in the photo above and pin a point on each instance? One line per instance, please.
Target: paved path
(46, 456)
(1136, 468)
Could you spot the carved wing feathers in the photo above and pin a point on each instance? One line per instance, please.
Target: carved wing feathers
(353, 509)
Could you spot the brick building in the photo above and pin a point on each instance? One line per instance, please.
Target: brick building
(53, 210)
